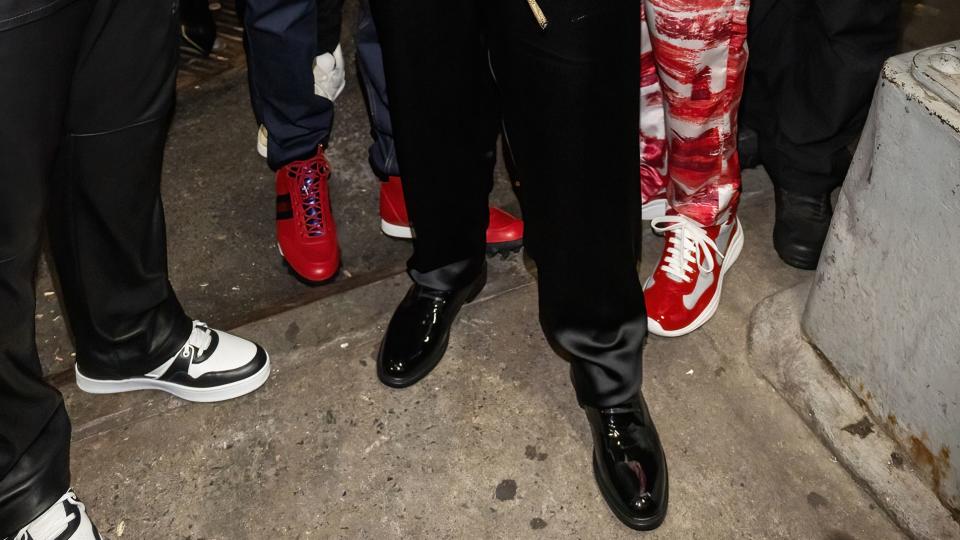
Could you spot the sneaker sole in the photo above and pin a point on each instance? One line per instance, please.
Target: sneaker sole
(395, 231)
(305, 280)
(733, 253)
(199, 395)
(656, 208)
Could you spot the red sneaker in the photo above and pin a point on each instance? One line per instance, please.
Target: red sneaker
(684, 290)
(306, 232)
(504, 233)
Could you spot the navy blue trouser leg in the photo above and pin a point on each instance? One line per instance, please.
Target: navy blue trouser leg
(383, 152)
(282, 41)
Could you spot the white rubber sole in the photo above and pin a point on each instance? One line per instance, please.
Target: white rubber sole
(653, 209)
(733, 253)
(395, 231)
(200, 395)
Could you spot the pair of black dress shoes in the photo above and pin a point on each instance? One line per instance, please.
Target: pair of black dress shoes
(628, 460)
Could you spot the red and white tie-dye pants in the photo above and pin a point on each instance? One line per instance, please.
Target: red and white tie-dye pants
(692, 66)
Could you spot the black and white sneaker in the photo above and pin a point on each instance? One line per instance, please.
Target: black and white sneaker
(66, 519)
(212, 366)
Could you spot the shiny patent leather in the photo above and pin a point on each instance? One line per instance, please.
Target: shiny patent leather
(629, 464)
(417, 335)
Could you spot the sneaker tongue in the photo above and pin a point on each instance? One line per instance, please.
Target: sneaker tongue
(677, 260)
(200, 338)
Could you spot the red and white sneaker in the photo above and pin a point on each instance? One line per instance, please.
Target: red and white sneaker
(504, 232)
(306, 232)
(654, 207)
(684, 290)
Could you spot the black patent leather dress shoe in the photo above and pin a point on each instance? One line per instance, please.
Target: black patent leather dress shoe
(629, 464)
(417, 335)
(801, 227)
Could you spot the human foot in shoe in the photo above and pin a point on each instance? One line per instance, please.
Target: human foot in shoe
(504, 231)
(66, 519)
(684, 291)
(211, 366)
(629, 464)
(801, 227)
(306, 231)
(417, 335)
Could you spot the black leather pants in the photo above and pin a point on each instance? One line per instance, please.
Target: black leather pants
(86, 94)
(568, 97)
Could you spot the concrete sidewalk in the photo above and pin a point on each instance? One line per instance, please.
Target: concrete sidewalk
(491, 445)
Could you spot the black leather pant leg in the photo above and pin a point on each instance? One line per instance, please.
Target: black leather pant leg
(36, 66)
(106, 218)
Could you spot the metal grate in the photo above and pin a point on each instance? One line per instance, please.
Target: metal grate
(227, 54)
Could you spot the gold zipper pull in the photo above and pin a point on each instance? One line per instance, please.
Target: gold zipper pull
(538, 14)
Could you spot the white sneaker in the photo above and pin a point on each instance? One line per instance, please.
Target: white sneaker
(329, 80)
(329, 74)
(211, 366)
(262, 141)
(66, 519)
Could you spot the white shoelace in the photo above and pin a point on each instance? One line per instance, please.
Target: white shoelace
(51, 523)
(199, 338)
(689, 243)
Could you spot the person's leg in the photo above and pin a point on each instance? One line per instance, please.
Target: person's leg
(106, 220)
(653, 131)
(580, 192)
(382, 153)
(107, 227)
(702, 90)
(36, 66)
(504, 231)
(701, 56)
(571, 98)
(292, 89)
(445, 119)
(805, 51)
(823, 84)
(281, 47)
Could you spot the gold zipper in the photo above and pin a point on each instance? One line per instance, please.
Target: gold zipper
(538, 14)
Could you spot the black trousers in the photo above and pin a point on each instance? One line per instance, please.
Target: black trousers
(282, 38)
(569, 101)
(86, 95)
(813, 67)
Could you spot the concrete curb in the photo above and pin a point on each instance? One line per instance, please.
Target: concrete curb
(778, 351)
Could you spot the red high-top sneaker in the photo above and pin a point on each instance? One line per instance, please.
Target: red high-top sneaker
(306, 232)
(684, 290)
(504, 232)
